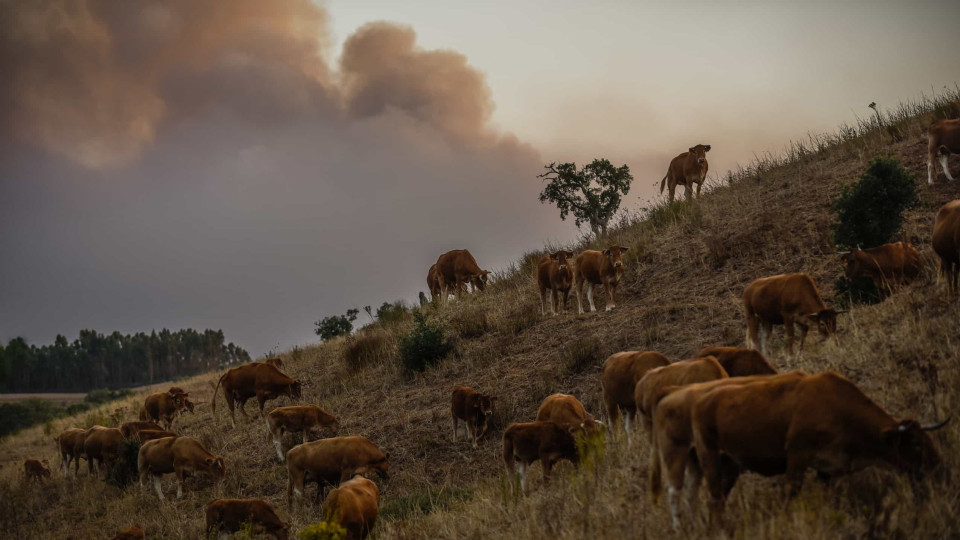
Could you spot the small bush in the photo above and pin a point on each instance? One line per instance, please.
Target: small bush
(424, 346)
(324, 530)
(583, 353)
(124, 470)
(394, 313)
(373, 345)
(870, 212)
(856, 292)
(470, 322)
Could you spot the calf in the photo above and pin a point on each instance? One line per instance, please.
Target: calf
(621, 373)
(331, 461)
(548, 442)
(555, 274)
(184, 456)
(889, 265)
(455, 269)
(36, 470)
(101, 447)
(946, 243)
(687, 169)
(306, 419)
(568, 412)
(599, 268)
(738, 362)
(261, 380)
(354, 505)
(134, 532)
(786, 299)
(474, 408)
(70, 446)
(162, 407)
(230, 515)
(943, 139)
(130, 429)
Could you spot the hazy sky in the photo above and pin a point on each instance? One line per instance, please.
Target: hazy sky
(181, 164)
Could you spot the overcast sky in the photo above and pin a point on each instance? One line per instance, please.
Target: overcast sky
(254, 166)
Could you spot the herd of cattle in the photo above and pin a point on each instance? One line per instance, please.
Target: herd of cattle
(708, 419)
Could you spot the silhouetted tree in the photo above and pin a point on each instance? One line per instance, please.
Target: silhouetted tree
(592, 194)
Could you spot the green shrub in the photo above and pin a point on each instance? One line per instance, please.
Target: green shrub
(324, 530)
(424, 346)
(124, 470)
(869, 212)
(372, 345)
(394, 313)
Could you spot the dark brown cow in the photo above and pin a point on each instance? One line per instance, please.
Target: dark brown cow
(331, 461)
(306, 419)
(130, 429)
(354, 505)
(943, 139)
(184, 456)
(230, 515)
(621, 372)
(568, 412)
(163, 407)
(35, 469)
(134, 532)
(70, 446)
(474, 408)
(823, 422)
(548, 442)
(687, 169)
(739, 362)
(455, 269)
(599, 268)
(276, 362)
(786, 299)
(555, 274)
(433, 282)
(946, 242)
(889, 265)
(101, 447)
(262, 381)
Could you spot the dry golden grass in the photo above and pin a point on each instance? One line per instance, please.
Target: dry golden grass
(686, 269)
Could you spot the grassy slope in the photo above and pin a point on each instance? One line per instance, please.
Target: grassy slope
(686, 269)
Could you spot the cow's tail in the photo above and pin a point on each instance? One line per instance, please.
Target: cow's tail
(663, 183)
(508, 454)
(213, 400)
(656, 483)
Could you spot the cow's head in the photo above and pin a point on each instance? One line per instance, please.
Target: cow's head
(911, 447)
(295, 390)
(215, 467)
(562, 257)
(175, 390)
(479, 281)
(178, 400)
(826, 321)
(187, 405)
(855, 261)
(699, 152)
(615, 255)
(382, 467)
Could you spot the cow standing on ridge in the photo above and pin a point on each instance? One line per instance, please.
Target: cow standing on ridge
(555, 277)
(599, 268)
(687, 169)
(943, 139)
(457, 268)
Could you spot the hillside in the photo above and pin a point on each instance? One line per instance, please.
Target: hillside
(686, 269)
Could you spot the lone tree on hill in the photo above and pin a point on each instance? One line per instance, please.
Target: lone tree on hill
(336, 325)
(592, 194)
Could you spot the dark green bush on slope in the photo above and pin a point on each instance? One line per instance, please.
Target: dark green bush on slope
(424, 346)
(870, 212)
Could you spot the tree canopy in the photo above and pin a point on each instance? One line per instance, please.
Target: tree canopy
(592, 193)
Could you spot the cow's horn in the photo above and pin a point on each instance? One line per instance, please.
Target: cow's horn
(842, 253)
(935, 427)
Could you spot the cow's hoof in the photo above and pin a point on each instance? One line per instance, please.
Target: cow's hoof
(609, 308)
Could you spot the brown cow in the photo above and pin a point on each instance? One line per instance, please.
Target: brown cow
(162, 407)
(786, 299)
(36, 470)
(354, 505)
(130, 429)
(528, 442)
(621, 372)
(823, 422)
(566, 411)
(555, 274)
(70, 446)
(599, 268)
(261, 380)
(663, 380)
(433, 282)
(889, 265)
(673, 450)
(943, 139)
(331, 461)
(101, 447)
(946, 242)
(276, 362)
(739, 362)
(231, 515)
(455, 269)
(181, 455)
(474, 408)
(135, 532)
(687, 169)
(306, 419)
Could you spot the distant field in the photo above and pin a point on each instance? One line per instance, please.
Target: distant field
(65, 399)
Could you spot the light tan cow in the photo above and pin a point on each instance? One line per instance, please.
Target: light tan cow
(687, 169)
(331, 461)
(184, 456)
(354, 505)
(621, 372)
(786, 299)
(943, 139)
(568, 412)
(599, 268)
(310, 420)
(555, 277)
(946, 243)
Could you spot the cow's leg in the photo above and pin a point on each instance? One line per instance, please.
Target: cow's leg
(522, 473)
(579, 296)
(590, 296)
(688, 191)
(552, 298)
(699, 185)
(945, 165)
(230, 405)
(279, 446)
(788, 331)
(710, 465)
(181, 478)
(543, 300)
(547, 463)
(566, 294)
(931, 154)
(694, 477)
(261, 400)
(473, 433)
(455, 428)
(766, 329)
(626, 425)
(803, 335)
(156, 486)
(611, 290)
(672, 186)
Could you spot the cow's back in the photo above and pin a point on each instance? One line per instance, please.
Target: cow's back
(562, 409)
(327, 458)
(589, 264)
(544, 269)
(738, 362)
(946, 233)
(622, 371)
(657, 382)
(355, 505)
(771, 297)
(102, 441)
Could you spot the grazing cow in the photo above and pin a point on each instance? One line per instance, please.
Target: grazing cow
(70, 445)
(306, 419)
(101, 447)
(145, 435)
(739, 362)
(184, 456)
(162, 407)
(568, 412)
(823, 422)
(474, 408)
(276, 362)
(331, 461)
(261, 380)
(555, 274)
(786, 299)
(943, 139)
(599, 268)
(130, 429)
(36, 470)
(889, 265)
(687, 169)
(663, 380)
(230, 515)
(455, 269)
(134, 532)
(621, 373)
(673, 450)
(528, 442)
(354, 505)
(946, 242)
(433, 282)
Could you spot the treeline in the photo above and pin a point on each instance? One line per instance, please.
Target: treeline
(96, 360)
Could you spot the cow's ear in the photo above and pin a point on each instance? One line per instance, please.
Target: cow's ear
(815, 317)
(623, 249)
(606, 252)
(691, 149)
(553, 256)
(386, 456)
(706, 148)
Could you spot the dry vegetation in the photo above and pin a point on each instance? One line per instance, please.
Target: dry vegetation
(687, 267)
